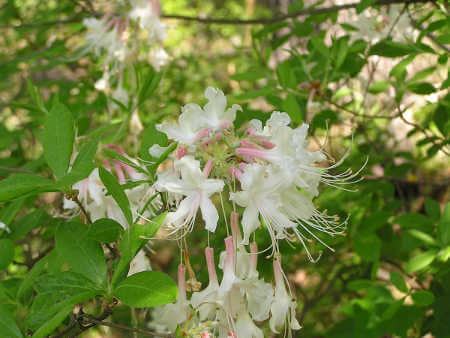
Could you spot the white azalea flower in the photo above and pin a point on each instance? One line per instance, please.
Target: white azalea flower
(245, 327)
(205, 301)
(147, 12)
(197, 188)
(169, 316)
(259, 196)
(283, 307)
(215, 112)
(190, 123)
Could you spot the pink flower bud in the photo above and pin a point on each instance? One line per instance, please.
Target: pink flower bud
(234, 172)
(234, 220)
(208, 167)
(107, 165)
(251, 153)
(209, 254)
(181, 151)
(267, 144)
(119, 172)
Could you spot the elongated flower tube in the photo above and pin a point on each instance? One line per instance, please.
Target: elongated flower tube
(169, 316)
(283, 307)
(205, 301)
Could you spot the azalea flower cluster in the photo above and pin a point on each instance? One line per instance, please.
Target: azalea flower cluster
(254, 178)
(267, 174)
(115, 37)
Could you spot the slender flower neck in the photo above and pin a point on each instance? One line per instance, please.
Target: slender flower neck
(230, 252)
(209, 254)
(234, 220)
(208, 167)
(182, 282)
(107, 165)
(119, 172)
(278, 272)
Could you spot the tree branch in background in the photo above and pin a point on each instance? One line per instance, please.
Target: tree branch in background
(233, 21)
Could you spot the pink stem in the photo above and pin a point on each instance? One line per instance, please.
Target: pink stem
(277, 272)
(249, 144)
(128, 169)
(229, 248)
(251, 153)
(119, 172)
(203, 133)
(234, 220)
(107, 165)
(208, 167)
(181, 151)
(181, 282)
(234, 172)
(209, 254)
(268, 145)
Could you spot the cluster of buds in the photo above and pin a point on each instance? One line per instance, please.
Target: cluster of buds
(114, 38)
(267, 175)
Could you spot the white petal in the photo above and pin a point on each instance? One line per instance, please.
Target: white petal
(209, 213)
(250, 222)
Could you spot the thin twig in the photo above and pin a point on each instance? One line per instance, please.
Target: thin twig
(83, 210)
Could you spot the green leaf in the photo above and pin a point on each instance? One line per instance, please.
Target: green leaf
(424, 237)
(117, 193)
(420, 261)
(368, 246)
(30, 279)
(66, 284)
(400, 67)
(9, 211)
(151, 136)
(133, 239)
(432, 209)
(413, 220)
(48, 307)
(54, 321)
(84, 255)
(149, 85)
(423, 298)
(19, 185)
(8, 326)
(444, 226)
(146, 289)
(421, 88)
(83, 164)
(388, 48)
(379, 87)
(292, 108)
(105, 230)
(398, 281)
(286, 78)
(363, 4)
(6, 252)
(27, 223)
(58, 139)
